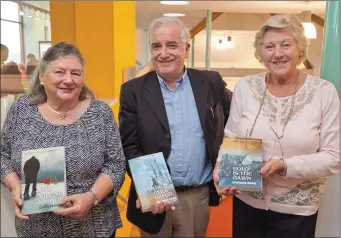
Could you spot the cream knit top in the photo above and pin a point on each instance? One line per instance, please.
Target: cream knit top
(311, 141)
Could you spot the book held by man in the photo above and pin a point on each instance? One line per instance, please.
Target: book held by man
(43, 180)
(241, 163)
(152, 181)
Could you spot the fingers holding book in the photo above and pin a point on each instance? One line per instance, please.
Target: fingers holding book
(222, 190)
(17, 202)
(75, 206)
(158, 208)
(162, 207)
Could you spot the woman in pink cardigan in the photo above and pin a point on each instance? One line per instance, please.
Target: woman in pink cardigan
(297, 117)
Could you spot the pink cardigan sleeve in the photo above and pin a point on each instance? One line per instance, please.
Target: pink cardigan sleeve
(326, 161)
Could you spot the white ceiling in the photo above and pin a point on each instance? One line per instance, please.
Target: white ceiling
(195, 11)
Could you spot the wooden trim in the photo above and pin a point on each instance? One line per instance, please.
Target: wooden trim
(318, 20)
(128, 73)
(307, 64)
(202, 24)
(315, 18)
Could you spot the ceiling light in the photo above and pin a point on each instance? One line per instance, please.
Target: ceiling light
(224, 42)
(309, 28)
(174, 14)
(220, 45)
(229, 43)
(174, 2)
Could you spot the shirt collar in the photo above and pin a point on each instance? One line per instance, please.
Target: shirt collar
(179, 82)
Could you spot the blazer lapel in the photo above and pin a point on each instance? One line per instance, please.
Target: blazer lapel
(200, 87)
(153, 96)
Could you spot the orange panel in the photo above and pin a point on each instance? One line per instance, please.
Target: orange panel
(220, 224)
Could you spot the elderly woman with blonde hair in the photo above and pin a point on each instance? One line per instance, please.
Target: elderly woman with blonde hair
(297, 116)
(60, 111)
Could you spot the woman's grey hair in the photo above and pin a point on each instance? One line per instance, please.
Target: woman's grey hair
(185, 36)
(36, 91)
(279, 22)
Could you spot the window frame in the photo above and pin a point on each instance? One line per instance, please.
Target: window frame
(21, 31)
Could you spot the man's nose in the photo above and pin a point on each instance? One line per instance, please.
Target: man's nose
(164, 52)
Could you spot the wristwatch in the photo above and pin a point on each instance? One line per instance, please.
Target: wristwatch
(93, 193)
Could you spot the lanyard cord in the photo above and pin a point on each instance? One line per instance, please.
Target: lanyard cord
(261, 105)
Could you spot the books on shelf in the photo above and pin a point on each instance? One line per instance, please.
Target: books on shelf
(241, 163)
(43, 181)
(152, 181)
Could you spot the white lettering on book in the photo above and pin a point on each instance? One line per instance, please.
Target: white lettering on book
(242, 173)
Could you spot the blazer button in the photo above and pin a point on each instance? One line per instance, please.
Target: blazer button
(167, 136)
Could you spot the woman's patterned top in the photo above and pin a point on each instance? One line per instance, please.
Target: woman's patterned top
(92, 146)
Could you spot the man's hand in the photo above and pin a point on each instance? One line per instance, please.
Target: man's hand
(159, 208)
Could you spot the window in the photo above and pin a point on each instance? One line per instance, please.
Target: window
(9, 11)
(10, 36)
(10, 30)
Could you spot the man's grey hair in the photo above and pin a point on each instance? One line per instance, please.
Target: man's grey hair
(185, 36)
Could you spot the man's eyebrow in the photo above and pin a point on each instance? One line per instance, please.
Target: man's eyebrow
(156, 43)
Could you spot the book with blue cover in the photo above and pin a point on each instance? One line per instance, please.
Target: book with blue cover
(152, 181)
(241, 163)
(43, 180)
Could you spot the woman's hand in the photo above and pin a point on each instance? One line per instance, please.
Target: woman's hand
(159, 208)
(274, 166)
(17, 201)
(222, 191)
(76, 206)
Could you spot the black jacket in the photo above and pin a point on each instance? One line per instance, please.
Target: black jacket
(31, 169)
(144, 127)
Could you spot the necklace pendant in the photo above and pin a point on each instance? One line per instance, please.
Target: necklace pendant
(63, 117)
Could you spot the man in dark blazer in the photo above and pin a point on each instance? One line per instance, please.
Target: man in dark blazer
(182, 113)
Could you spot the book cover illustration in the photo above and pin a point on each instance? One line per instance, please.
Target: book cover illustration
(152, 181)
(43, 180)
(241, 164)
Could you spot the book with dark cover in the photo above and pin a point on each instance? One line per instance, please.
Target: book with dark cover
(43, 180)
(241, 163)
(152, 181)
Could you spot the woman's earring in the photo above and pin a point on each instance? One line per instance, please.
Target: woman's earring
(41, 83)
